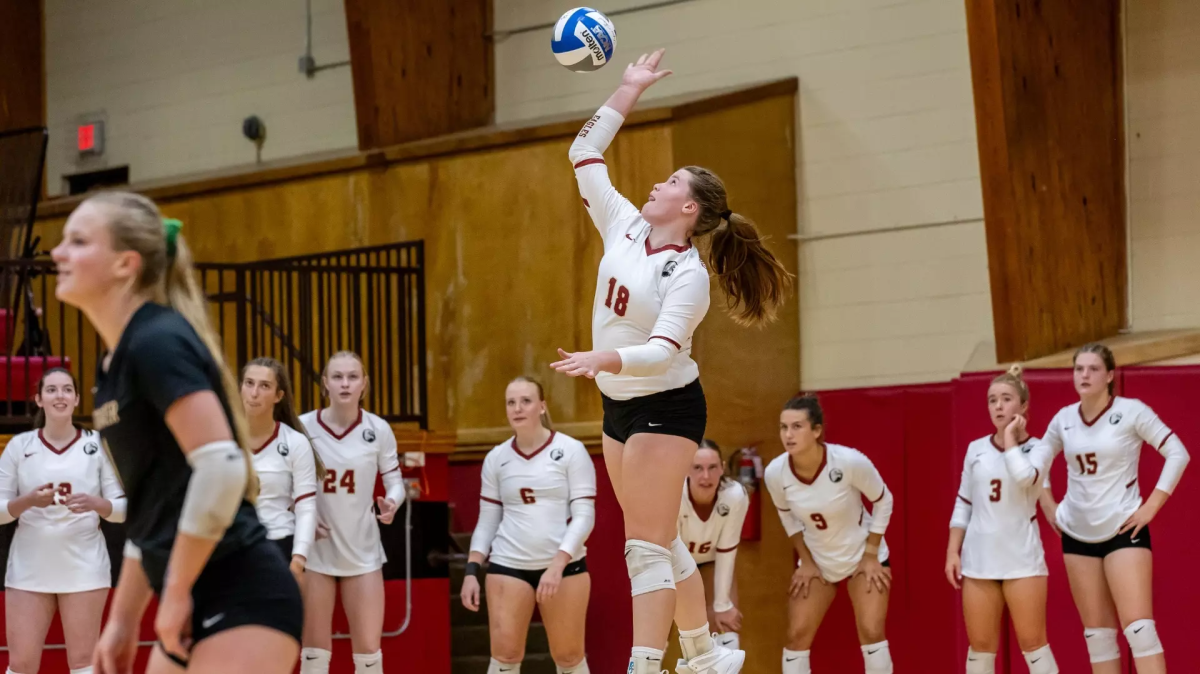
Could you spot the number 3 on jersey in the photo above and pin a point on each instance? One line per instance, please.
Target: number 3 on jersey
(332, 484)
(622, 298)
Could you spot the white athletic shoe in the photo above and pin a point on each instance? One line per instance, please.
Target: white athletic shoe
(719, 660)
(681, 667)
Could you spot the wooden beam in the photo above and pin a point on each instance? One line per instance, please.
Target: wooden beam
(1156, 347)
(22, 90)
(422, 68)
(1048, 110)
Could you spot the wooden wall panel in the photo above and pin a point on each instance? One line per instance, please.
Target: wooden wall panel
(422, 68)
(1048, 107)
(22, 80)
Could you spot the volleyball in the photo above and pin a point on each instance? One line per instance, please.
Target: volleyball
(584, 40)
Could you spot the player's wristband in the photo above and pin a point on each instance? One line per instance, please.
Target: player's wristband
(473, 569)
(872, 550)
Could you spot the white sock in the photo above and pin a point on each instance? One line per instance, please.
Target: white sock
(980, 663)
(497, 667)
(1041, 661)
(368, 663)
(645, 661)
(796, 662)
(877, 659)
(730, 640)
(314, 661)
(82, 670)
(581, 668)
(694, 643)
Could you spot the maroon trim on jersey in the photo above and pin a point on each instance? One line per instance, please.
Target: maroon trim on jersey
(783, 510)
(964, 499)
(304, 496)
(585, 203)
(1036, 474)
(392, 470)
(668, 246)
(580, 497)
(1131, 483)
(589, 162)
(42, 437)
(861, 514)
(345, 432)
(1034, 518)
(735, 547)
(666, 339)
(274, 434)
(1111, 400)
(537, 451)
(1002, 449)
(884, 493)
(695, 506)
(490, 500)
(824, 458)
(1164, 442)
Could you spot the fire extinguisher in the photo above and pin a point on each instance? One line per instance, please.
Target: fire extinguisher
(749, 472)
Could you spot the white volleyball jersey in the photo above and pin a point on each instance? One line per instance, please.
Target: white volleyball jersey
(287, 475)
(1000, 515)
(721, 531)
(642, 293)
(1102, 464)
(829, 509)
(345, 500)
(535, 491)
(55, 550)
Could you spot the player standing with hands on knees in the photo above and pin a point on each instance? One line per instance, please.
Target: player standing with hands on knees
(995, 553)
(167, 408)
(536, 509)
(1103, 520)
(652, 292)
(58, 482)
(818, 489)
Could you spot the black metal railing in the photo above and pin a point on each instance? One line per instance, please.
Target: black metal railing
(299, 310)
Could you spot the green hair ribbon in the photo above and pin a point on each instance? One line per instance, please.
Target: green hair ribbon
(171, 228)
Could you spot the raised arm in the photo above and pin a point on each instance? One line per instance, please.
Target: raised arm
(1029, 468)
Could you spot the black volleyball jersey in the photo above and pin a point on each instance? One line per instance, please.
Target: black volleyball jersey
(159, 360)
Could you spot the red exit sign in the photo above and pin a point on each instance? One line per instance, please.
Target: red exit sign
(89, 138)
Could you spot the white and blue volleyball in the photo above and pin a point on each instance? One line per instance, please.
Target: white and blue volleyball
(584, 40)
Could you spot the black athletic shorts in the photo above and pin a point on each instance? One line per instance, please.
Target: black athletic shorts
(1071, 546)
(251, 586)
(681, 412)
(285, 547)
(535, 577)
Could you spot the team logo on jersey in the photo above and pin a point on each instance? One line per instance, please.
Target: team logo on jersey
(835, 475)
(283, 449)
(368, 435)
(106, 415)
(723, 509)
(669, 268)
(91, 448)
(556, 454)
(1114, 418)
(1027, 448)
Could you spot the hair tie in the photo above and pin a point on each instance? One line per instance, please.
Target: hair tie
(171, 228)
(726, 214)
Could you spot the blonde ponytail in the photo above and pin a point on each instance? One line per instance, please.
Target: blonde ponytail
(1013, 378)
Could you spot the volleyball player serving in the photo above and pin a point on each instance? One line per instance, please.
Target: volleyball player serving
(710, 523)
(284, 461)
(355, 447)
(819, 488)
(536, 509)
(58, 483)
(652, 291)
(167, 408)
(1103, 519)
(995, 553)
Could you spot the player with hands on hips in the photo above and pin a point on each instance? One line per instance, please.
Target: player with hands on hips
(652, 292)
(58, 482)
(818, 489)
(995, 552)
(1103, 520)
(537, 507)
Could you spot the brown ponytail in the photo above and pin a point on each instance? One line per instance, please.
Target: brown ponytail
(168, 275)
(1106, 355)
(755, 283)
(285, 410)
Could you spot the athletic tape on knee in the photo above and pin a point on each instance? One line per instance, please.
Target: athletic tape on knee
(877, 658)
(368, 663)
(730, 640)
(682, 564)
(796, 662)
(1041, 661)
(1142, 636)
(1102, 644)
(980, 663)
(497, 667)
(581, 668)
(649, 567)
(314, 661)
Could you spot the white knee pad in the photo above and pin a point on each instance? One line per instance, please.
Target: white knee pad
(980, 663)
(796, 662)
(649, 567)
(368, 663)
(877, 658)
(682, 564)
(1142, 636)
(1102, 644)
(497, 667)
(1041, 661)
(730, 640)
(581, 668)
(315, 661)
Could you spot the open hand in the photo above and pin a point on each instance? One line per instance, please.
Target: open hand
(645, 72)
